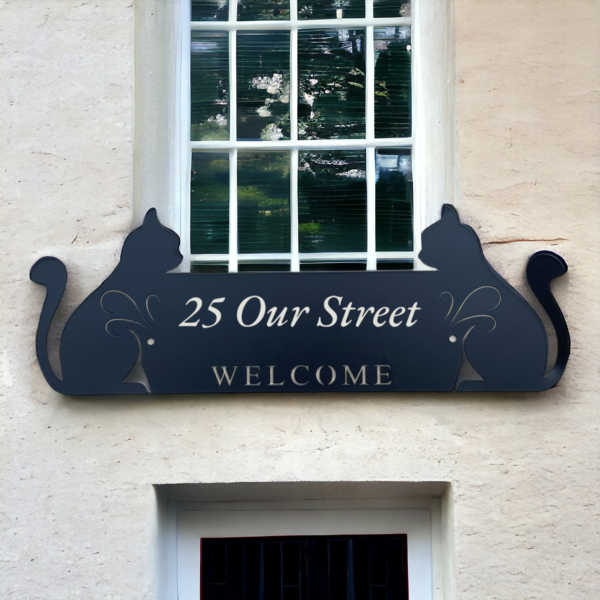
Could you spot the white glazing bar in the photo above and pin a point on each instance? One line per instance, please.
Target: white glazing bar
(295, 261)
(223, 258)
(304, 24)
(233, 207)
(233, 212)
(371, 260)
(294, 210)
(370, 130)
(184, 134)
(353, 144)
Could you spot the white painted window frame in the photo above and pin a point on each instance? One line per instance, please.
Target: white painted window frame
(432, 141)
(162, 149)
(255, 519)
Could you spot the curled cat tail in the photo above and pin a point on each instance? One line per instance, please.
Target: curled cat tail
(542, 268)
(52, 273)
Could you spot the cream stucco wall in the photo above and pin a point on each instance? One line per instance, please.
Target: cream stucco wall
(78, 509)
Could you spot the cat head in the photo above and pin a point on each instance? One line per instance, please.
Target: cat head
(448, 243)
(152, 246)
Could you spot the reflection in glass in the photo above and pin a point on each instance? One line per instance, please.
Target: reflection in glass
(331, 66)
(263, 202)
(210, 267)
(393, 200)
(394, 265)
(392, 82)
(391, 8)
(209, 85)
(210, 203)
(331, 9)
(263, 267)
(210, 10)
(332, 201)
(263, 10)
(345, 265)
(263, 79)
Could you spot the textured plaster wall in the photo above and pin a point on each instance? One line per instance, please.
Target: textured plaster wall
(77, 508)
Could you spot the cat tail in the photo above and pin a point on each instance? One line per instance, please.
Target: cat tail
(542, 268)
(52, 273)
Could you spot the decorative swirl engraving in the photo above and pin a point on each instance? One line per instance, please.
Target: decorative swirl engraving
(483, 287)
(148, 307)
(451, 303)
(122, 321)
(454, 320)
(142, 322)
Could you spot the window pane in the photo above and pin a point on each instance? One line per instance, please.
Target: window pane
(331, 9)
(263, 10)
(210, 267)
(263, 202)
(210, 203)
(331, 67)
(263, 79)
(332, 201)
(394, 199)
(210, 85)
(263, 267)
(346, 265)
(391, 8)
(392, 82)
(210, 10)
(393, 265)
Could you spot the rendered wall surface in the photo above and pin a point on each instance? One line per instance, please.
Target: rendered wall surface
(77, 506)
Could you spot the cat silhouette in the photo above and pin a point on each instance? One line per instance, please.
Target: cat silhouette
(502, 336)
(102, 339)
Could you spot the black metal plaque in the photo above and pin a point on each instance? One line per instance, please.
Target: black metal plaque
(461, 327)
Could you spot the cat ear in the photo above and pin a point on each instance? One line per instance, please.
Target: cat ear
(151, 217)
(450, 214)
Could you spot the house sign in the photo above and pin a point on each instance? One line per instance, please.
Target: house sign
(459, 327)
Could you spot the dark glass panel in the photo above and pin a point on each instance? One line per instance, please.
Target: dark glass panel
(332, 201)
(263, 202)
(263, 10)
(391, 8)
(331, 9)
(361, 566)
(210, 10)
(347, 265)
(392, 82)
(263, 79)
(209, 85)
(214, 570)
(210, 268)
(338, 569)
(393, 200)
(271, 570)
(290, 558)
(331, 87)
(210, 203)
(317, 564)
(252, 569)
(263, 267)
(291, 593)
(392, 265)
